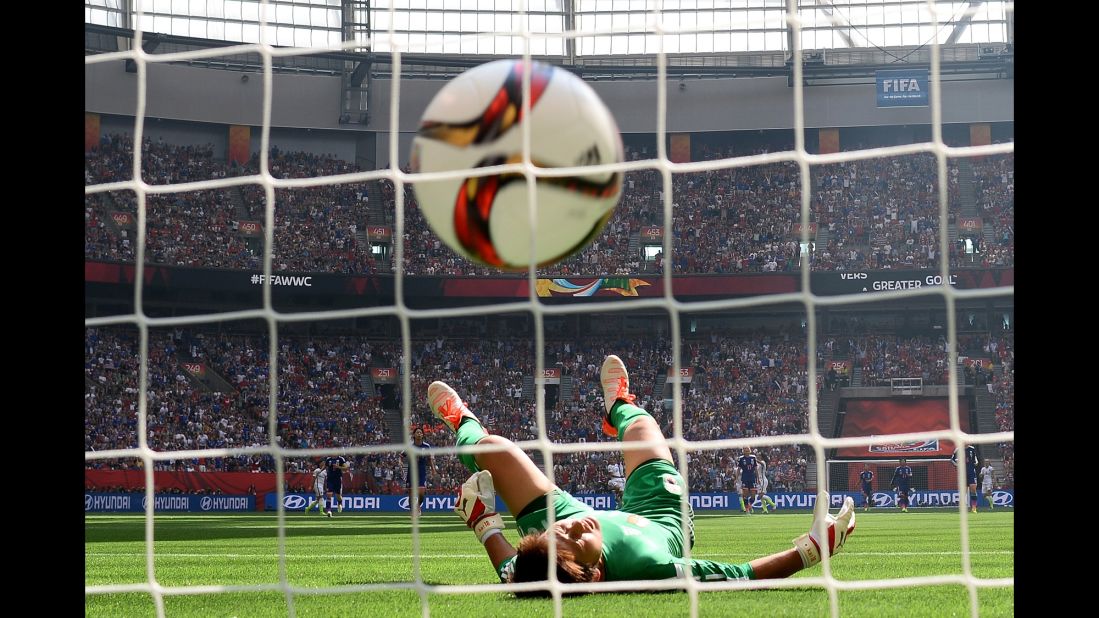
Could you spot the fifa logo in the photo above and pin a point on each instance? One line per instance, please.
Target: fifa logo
(903, 84)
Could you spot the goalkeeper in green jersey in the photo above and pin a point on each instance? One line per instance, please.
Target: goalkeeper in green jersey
(644, 539)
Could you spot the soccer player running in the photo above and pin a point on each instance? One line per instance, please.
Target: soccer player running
(972, 463)
(867, 478)
(335, 466)
(319, 477)
(642, 540)
(421, 464)
(763, 485)
(988, 476)
(902, 477)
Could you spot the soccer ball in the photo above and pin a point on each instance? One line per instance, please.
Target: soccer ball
(476, 121)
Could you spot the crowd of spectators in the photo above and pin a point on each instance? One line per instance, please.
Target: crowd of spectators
(745, 386)
(191, 228)
(884, 358)
(742, 386)
(879, 213)
(1001, 385)
(994, 179)
(315, 228)
(874, 214)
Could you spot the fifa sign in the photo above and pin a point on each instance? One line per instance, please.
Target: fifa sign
(905, 88)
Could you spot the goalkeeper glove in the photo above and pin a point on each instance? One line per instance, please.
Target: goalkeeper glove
(838, 527)
(476, 505)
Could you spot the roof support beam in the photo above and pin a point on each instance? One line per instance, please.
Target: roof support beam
(963, 23)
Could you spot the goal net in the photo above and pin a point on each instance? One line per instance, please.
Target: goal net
(660, 38)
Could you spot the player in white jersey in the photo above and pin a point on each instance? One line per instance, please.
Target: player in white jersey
(987, 477)
(320, 475)
(763, 485)
(617, 481)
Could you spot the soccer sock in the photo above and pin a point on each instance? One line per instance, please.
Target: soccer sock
(742, 507)
(972, 500)
(769, 501)
(623, 415)
(470, 431)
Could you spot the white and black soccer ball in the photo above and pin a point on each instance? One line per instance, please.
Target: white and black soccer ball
(476, 121)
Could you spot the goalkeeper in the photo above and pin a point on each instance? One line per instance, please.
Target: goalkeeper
(642, 540)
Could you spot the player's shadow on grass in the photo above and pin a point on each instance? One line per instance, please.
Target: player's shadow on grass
(112, 532)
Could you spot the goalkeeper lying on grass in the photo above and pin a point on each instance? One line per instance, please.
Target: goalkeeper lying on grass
(642, 540)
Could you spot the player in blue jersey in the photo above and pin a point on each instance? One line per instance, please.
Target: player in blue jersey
(901, 483)
(867, 478)
(747, 465)
(335, 466)
(421, 466)
(972, 463)
(643, 540)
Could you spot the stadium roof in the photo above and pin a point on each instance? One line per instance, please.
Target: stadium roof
(609, 27)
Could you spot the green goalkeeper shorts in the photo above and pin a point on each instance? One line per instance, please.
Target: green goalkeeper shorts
(534, 519)
(653, 491)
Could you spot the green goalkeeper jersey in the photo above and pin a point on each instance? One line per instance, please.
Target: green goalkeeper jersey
(635, 547)
(643, 540)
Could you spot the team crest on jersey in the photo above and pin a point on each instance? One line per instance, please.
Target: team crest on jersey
(671, 484)
(637, 520)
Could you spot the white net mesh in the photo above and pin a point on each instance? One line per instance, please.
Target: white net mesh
(538, 310)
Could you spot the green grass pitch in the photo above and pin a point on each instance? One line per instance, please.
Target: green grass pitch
(353, 549)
